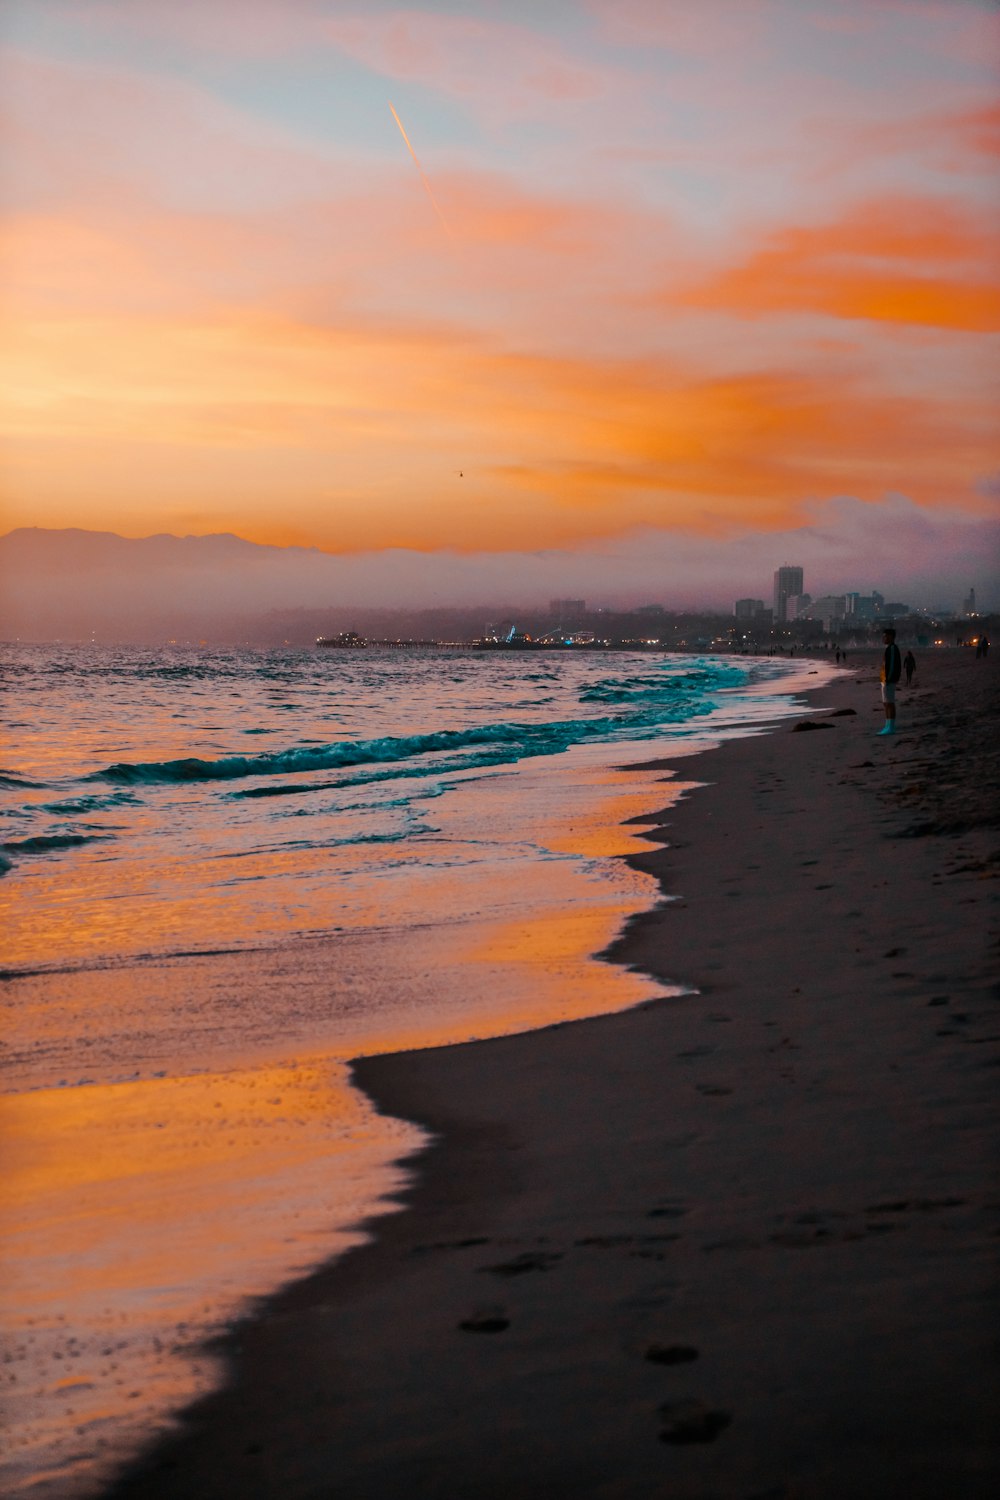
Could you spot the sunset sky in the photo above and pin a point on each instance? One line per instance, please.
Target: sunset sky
(669, 272)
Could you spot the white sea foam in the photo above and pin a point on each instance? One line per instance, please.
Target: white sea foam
(185, 987)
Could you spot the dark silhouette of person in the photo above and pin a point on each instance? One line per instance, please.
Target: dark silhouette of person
(892, 671)
(983, 646)
(909, 666)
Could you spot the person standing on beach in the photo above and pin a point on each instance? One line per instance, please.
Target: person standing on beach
(892, 670)
(909, 666)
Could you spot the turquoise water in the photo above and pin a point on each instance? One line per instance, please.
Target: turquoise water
(227, 873)
(142, 777)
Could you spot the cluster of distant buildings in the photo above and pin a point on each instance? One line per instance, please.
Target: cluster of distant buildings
(834, 612)
(793, 619)
(792, 616)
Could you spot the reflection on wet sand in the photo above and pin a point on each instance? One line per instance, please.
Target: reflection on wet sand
(207, 1144)
(136, 1214)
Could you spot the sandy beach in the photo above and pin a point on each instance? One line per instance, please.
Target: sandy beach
(737, 1244)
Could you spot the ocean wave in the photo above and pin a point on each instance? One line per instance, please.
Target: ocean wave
(45, 843)
(8, 778)
(396, 836)
(419, 794)
(325, 757)
(518, 740)
(398, 772)
(658, 688)
(73, 806)
(156, 671)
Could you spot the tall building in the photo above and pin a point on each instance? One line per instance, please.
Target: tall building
(747, 609)
(830, 610)
(568, 611)
(969, 603)
(787, 583)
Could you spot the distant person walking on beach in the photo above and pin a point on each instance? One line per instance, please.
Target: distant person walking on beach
(909, 666)
(892, 671)
(983, 646)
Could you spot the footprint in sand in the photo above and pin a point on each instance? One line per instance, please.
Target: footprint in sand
(670, 1354)
(692, 1422)
(531, 1260)
(466, 1244)
(918, 1205)
(604, 1241)
(670, 1208)
(486, 1320)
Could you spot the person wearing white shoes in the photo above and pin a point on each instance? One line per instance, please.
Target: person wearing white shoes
(892, 670)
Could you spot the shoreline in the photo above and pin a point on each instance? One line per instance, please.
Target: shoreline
(780, 1181)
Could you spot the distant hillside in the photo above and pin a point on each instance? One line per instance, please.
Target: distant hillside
(74, 548)
(77, 585)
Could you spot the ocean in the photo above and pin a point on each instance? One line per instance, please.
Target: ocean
(225, 873)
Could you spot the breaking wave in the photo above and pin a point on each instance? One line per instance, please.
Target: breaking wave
(656, 688)
(7, 778)
(73, 806)
(516, 741)
(45, 843)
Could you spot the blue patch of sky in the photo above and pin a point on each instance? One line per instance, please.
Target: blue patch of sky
(334, 101)
(886, 54)
(53, 30)
(321, 97)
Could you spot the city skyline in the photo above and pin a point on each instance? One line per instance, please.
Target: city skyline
(629, 286)
(79, 584)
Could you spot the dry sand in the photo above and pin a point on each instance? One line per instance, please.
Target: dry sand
(740, 1244)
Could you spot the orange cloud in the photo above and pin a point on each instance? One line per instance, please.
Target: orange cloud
(962, 142)
(362, 436)
(973, 132)
(980, 128)
(915, 261)
(321, 364)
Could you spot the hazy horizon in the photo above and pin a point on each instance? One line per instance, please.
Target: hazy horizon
(651, 298)
(80, 584)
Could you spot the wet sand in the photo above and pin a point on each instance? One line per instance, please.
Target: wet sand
(737, 1244)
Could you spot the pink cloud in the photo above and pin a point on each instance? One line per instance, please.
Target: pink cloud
(339, 233)
(242, 28)
(703, 31)
(964, 140)
(81, 130)
(969, 33)
(500, 69)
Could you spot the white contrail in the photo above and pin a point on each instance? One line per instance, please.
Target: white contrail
(423, 175)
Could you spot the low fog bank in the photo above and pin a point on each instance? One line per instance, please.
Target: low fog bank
(80, 585)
